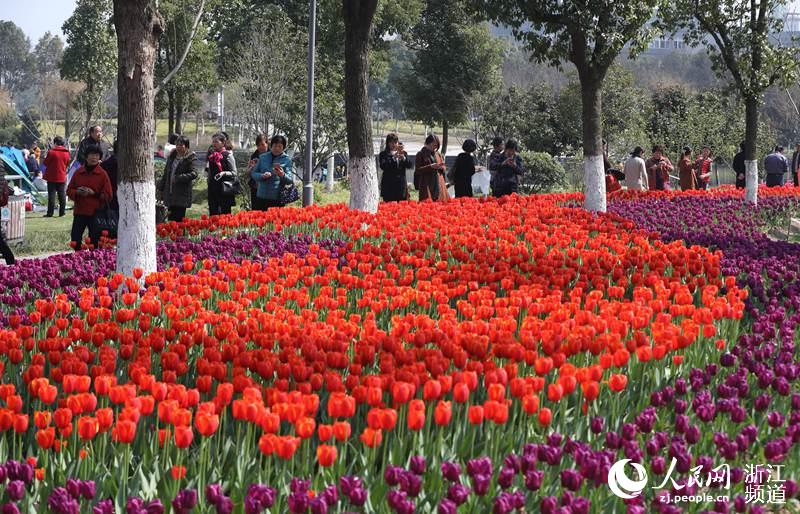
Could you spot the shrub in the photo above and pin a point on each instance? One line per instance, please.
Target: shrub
(544, 174)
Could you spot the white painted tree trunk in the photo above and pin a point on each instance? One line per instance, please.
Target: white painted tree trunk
(136, 239)
(363, 184)
(594, 183)
(751, 182)
(331, 172)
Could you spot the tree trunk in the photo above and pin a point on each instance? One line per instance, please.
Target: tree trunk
(750, 162)
(445, 136)
(138, 25)
(197, 130)
(329, 178)
(67, 122)
(179, 101)
(170, 112)
(358, 16)
(593, 172)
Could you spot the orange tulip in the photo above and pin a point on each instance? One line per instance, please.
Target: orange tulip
(178, 472)
(530, 404)
(545, 416)
(371, 438)
(46, 437)
(21, 423)
(617, 383)
(416, 419)
(443, 413)
(206, 424)
(42, 418)
(183, 436)
(88, 428)
(475, 414)
(341, 431)
(305, 427)
(326, 455)
(287, 446)
(123, 432)
(324, 432)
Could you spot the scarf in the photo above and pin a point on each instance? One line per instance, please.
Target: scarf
(215, 158)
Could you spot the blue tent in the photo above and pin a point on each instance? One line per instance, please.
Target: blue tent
(15, 164)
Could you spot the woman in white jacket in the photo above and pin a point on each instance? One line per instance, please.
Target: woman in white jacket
(635, 171)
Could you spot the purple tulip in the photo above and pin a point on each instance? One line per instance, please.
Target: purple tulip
(458, 493)
(417, 465)
(451, 471)
(447, 506)
(16, 490)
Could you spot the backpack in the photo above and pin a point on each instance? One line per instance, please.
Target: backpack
(5, 191)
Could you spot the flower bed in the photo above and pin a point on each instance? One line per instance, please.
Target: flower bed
(33, 279)
(475, 355)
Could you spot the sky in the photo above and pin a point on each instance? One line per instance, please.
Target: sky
(35, 17)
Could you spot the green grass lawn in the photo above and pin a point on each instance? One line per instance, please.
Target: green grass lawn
(49, 235)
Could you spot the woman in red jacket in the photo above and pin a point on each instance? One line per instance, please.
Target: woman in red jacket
(90, 189)
(55, 173)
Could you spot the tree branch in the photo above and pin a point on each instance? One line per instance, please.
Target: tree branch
(177, 67)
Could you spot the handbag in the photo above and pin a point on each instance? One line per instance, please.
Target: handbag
(288, 193)
(107, 219)
(231, 187)
(161, 213)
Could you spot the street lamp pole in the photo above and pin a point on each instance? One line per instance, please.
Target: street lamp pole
(308, 183)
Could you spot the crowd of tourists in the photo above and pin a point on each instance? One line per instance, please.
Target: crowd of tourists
(90, 181)
(694, 169)
(432, 178)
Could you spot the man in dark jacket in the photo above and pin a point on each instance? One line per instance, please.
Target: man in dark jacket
(95, 138)
(55, 173)
(739, 167)
(776, 165)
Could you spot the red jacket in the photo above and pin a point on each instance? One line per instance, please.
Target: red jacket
(98, 181)
(56, 164)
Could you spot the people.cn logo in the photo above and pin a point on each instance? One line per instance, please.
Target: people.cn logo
(622, 486)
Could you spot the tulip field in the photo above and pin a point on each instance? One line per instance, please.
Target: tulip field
(473, 356)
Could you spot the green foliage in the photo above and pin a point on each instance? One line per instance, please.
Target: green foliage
(47, 55)
(735, 34)
(530, 116)
(543, 174)
(740, 37)
(91, 53)
(679, 118)
(590, 34)
(15, 65)
(229, 22)
(454, 58)
(8, 120)
(269, 91)
(198, 73)
(29, 131)
(623, 108)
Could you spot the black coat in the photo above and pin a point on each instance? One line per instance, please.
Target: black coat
(394, 186)
(739, 169)
(462, 173)
(176, 189)
(84, 145)
(215, 190)
(506, 180)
